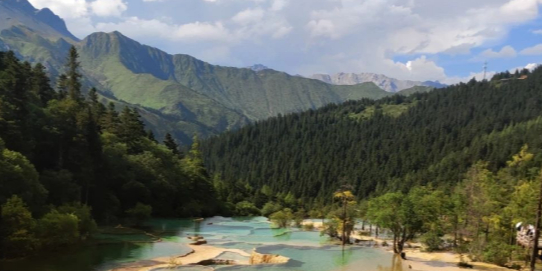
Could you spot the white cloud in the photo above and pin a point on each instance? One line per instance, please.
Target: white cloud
(106, 8)
(67, 9)
(76, 9)
(535, 50)
(309, 36)
(505, 52)
(249, 16)
(278, 5)
(190, 33)
(531, 66)
(537, 32)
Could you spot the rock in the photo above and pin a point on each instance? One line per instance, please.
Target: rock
(199, 242)
(258, 258)
(216, 262)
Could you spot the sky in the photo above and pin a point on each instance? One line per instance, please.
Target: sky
(438, 40)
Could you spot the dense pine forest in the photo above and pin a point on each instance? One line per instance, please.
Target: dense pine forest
(67, 162)
(387, 145)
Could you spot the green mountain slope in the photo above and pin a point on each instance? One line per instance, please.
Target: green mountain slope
(180, 94)
(391, 144)
(257, 95)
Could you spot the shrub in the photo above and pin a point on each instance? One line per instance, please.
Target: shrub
(140, 213)
(308, 227)
(432, 241)
(282, 219)
(245, 208)
(58, 230)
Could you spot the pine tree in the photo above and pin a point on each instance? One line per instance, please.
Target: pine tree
(41, 84)
(97, 108)
(73, 83)
(62, 86)
(110, 120)
(150, 135)
(131, 128)
(171, 144)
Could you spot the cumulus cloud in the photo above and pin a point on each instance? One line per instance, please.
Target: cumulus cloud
(249, 16)
(107, 8)
(76, 9)
(67, 9)
(531, 51)
(309, 36)
(192, 32)
(505, 52)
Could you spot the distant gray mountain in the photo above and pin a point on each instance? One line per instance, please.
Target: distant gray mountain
(386, 83)
(258, 67)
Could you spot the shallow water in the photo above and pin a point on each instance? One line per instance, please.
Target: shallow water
(308, 250)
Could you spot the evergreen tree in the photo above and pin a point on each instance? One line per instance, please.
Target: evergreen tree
(62, 86)
(150, 136)
(171, 144)
(40, 84)
(110, 119)
(73, 76)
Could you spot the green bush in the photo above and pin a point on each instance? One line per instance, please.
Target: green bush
(58, 230)
(270, 207)
(282, 219)
(139, 213)
(308, 227)
(87, 225)
(17, 228)
(432, 241)
(497, 253)
(245, 208)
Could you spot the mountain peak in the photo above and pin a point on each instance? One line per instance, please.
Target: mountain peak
(23, 5)
(21, 12)
(258, 67)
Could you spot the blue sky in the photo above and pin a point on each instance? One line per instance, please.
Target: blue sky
(440, 40)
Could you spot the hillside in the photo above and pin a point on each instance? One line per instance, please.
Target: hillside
(181, 94)
(387, 145)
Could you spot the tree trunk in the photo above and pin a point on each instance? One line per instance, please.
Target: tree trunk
(401, 244)
(395, 243)
(343, 236)
(537, 228)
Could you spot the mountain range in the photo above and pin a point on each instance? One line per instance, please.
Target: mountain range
(174, 93)
(382, 81)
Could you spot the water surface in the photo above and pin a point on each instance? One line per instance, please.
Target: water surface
(308, 250)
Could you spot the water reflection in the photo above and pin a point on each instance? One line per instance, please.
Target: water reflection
(396, 264)
(343, 259)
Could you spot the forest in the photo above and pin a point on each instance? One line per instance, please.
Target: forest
(455, 168)
(68, 163)
(391, 144)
